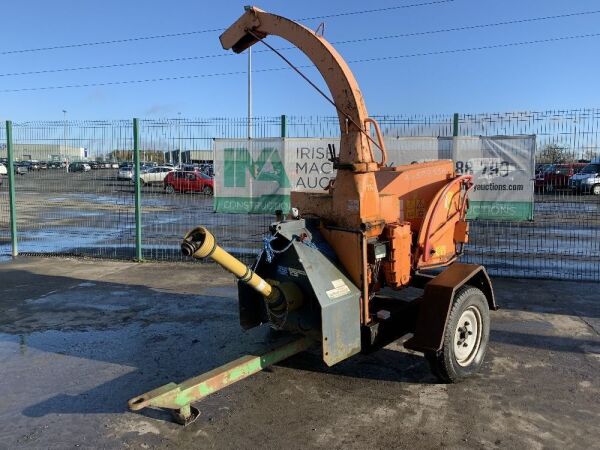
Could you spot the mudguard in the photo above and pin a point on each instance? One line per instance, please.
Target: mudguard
(437, 301)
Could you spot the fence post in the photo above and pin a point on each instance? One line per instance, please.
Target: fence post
(137, 188)
(11, 188)
(455, 125)
(283, 125)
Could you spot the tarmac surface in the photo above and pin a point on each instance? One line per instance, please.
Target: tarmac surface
(78, 338)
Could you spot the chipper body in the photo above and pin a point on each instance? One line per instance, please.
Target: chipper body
(328, 269)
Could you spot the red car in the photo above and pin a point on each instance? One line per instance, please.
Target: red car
(556, 176)
(188, 182)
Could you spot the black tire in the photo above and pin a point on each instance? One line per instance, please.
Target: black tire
(448, 366)
(596, 189)
(169, 189)
(207, 190)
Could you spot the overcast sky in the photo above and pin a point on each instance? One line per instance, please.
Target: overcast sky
(551, 75)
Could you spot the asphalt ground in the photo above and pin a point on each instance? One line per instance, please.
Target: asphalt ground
(78, 338)
(92, 214)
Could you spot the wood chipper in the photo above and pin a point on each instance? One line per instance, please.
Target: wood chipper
(328, 265)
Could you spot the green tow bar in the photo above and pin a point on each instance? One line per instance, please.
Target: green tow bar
(179, 397)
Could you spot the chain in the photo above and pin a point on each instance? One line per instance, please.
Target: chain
(270, 252)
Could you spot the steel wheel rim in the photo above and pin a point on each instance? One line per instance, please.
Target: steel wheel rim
(467, 336)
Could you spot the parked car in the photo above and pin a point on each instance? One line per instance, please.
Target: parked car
(114, 166)
(125, 173)
(21, 168)
(3, 169)
(587, 180)
(33, 165)
(155, 175)
(557, 176)
(180, 181)
(191, 168)
(79, 167)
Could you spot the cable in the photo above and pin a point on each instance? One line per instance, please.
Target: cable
(350, 41)
(323, 94)
(470, 27)
(108, 66)
(114, 41)
(356, 61)
(213, 30)
(149, 80)
(471, 49)
(368, 11)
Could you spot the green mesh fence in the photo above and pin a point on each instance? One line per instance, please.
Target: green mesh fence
(63, 205)
(67, 208)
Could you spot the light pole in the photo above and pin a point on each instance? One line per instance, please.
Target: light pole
(165, 143)
(65, 136)
(179, 138)
(249, 92)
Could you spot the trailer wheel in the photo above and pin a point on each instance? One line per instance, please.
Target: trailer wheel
(465, 338)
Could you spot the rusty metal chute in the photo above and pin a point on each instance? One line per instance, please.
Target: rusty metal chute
(256, 23)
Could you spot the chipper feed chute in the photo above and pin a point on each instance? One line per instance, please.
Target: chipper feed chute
(321, 274)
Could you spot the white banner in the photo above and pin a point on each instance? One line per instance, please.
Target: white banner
(503, 170)
(257, 175)
(307, 163)
(410, 150)
(309, 169)
(250, 176)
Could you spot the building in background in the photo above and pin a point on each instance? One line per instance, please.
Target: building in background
(189, 157)
(45, 152)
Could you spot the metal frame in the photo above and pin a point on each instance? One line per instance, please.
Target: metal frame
(179, 397)
(138, 192)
